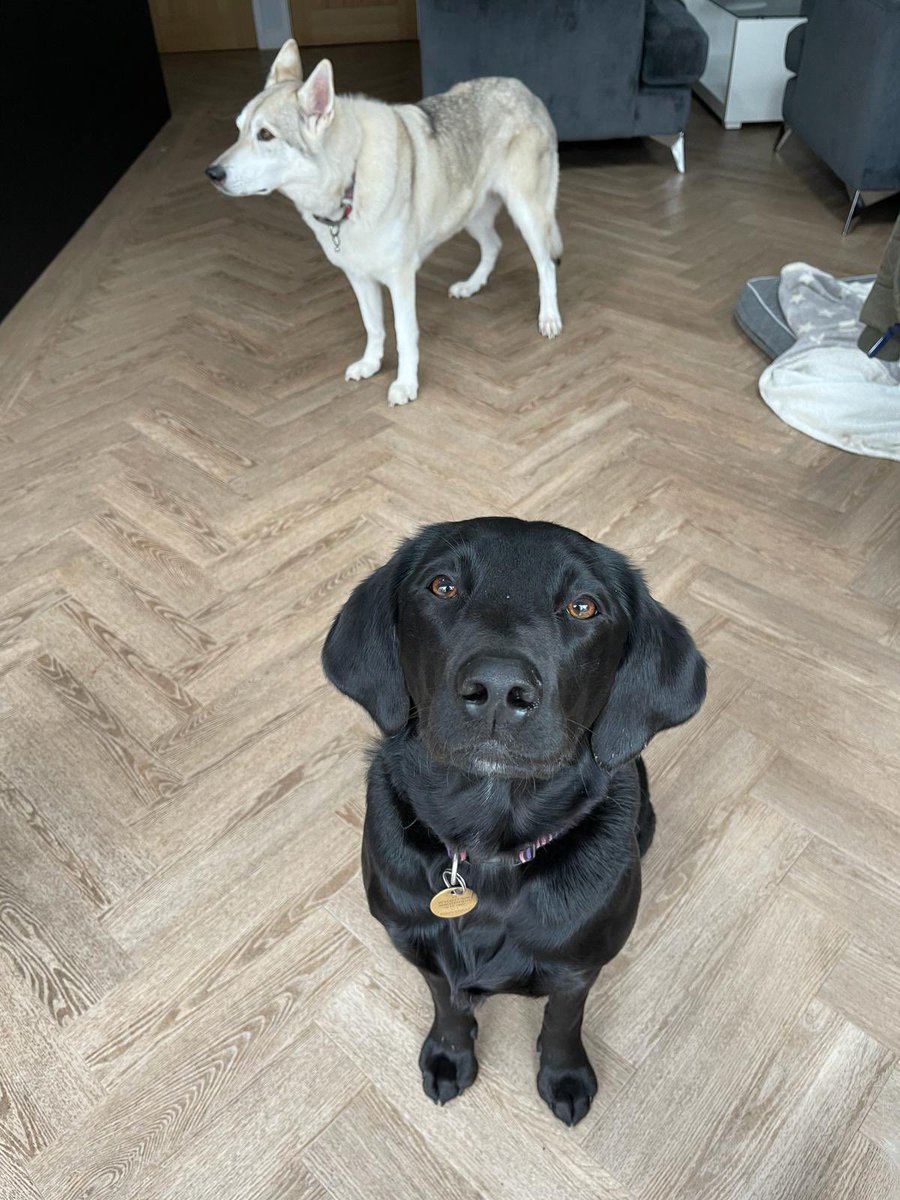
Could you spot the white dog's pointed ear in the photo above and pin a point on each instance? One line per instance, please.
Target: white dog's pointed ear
(287, 66)
(316, 97)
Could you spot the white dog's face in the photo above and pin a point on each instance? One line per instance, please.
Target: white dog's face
(280, 136)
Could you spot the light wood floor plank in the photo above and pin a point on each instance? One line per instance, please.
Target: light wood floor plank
(864, 1173)
(149, 1115)
(655, 1136)
(688, 924)
(833, 1069)
(370, 1147)
(257, 1138)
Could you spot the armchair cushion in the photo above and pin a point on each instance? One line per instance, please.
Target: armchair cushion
(675, 45)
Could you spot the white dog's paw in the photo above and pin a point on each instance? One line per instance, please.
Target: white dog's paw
(464, 289)
(550, 327)
(364, 368)
(402, 393)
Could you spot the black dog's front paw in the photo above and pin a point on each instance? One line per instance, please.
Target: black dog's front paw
(447, 1069)
(568, 1090)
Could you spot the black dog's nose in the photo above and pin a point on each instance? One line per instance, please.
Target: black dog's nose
(215, 172)
(502, 689)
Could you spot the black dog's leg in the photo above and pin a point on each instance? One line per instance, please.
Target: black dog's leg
(566, 1079)
(646, 816)
(448, 1057)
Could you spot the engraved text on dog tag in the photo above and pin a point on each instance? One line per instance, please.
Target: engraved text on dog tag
(451, 902)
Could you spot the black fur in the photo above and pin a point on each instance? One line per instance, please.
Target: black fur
(452, 771)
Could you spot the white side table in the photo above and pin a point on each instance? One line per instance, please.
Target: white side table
(745, 72)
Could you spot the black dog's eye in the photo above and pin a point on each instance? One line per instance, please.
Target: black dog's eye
(442, 586)
(582, 608)
(265, 135)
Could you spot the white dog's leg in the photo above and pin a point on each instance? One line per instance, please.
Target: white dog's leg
(368, 293)
(403, 297)
(549, 318)
(481, 227)
(538, 234)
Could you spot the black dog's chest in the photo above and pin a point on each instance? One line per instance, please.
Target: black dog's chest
(538, 927)
(490, 949)
(516, 939)
(481, 957)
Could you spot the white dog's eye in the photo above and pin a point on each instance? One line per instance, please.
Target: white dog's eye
(265, 135)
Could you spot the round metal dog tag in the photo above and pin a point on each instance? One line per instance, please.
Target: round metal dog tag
(452, 902)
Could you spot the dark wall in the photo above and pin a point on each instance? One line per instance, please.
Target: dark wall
(81, 95)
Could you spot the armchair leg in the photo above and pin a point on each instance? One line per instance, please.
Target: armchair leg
(856, 204)
(675, 142)
(784, 132)
(859, 200)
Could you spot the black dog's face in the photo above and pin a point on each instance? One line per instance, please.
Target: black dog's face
(509, 644)
(509, 639)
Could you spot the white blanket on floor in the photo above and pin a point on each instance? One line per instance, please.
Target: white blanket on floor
(825, 386)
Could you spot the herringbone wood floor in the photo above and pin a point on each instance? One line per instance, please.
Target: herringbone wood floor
(194, 1000)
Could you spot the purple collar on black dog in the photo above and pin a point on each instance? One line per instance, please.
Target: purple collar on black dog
(523, 855)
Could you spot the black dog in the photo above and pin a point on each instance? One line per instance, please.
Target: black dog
(516, 670)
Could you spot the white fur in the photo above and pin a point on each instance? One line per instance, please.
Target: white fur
(420, 175)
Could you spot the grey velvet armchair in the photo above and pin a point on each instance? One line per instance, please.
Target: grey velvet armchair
(604, 68)
(844, 100)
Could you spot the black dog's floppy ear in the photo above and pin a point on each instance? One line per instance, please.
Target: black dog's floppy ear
(660, 682)
(361, 655)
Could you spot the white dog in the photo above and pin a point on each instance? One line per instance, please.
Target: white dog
(382, 186)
